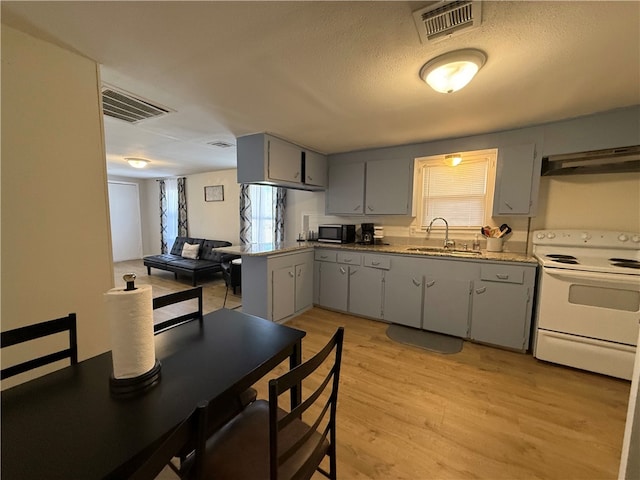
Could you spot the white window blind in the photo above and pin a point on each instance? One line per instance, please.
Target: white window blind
(455, 193)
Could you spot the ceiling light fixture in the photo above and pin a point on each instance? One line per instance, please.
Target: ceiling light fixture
(137, 162)
(451, 71)
(453, 160)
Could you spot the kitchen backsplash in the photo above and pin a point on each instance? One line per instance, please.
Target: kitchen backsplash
(401, 230)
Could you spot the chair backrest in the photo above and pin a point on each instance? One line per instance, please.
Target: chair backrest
(178, 297)
(325, 427)
(191, 431)
(39, 330)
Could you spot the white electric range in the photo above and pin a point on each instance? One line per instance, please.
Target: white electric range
(588, 306)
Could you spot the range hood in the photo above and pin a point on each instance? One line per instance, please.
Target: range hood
(611, 160)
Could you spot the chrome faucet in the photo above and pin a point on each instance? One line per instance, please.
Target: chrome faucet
(447, 243)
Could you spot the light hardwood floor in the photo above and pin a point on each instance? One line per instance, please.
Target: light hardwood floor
(406, 413)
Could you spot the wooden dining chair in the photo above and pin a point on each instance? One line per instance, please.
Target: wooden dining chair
(39, 330)
(190, 433)
(178, 297)
(267, 442)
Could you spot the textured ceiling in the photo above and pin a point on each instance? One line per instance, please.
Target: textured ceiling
(335, 76)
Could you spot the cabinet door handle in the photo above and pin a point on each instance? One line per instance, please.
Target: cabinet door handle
(324, 256)
(502, 276)
(352, 271)
(375, 263)
(481, 290)
(290, 273)
(416, 282)
(342, 270)
(309, 178)
(370, 208)
(346, 260)
(431, 283)
(299, 273)
(508, 206)
(357, 208)
(296, 175)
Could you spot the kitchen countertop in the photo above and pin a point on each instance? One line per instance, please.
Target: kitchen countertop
(265, 249)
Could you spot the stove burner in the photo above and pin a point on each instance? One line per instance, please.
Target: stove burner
(563, 257)
(624, 260)
(627, 264)
(571, 261)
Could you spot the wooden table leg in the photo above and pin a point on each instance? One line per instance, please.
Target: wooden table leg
(295, 359)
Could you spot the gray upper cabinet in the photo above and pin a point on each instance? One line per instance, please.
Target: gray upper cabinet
(389, 187)
(517, 178)
(283, 161)
(346, 189)
(380, 187)
(315, 171)
(268, 160)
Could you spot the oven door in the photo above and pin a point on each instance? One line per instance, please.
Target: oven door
(595, 305)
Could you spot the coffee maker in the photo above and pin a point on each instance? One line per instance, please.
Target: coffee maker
(367, 234)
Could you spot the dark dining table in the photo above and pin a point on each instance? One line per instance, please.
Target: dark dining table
(67, 425)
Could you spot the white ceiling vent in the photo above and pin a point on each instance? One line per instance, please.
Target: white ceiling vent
(444, 19)
(126, 106)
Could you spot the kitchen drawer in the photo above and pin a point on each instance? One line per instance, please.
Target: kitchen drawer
(325, 256)
(502, 273)
(349, 258)
(377, 261)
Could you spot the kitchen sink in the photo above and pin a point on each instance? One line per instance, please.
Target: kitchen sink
(452, 251)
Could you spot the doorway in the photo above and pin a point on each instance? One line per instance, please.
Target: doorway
(126, 231)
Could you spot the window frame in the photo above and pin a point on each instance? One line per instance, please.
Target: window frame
(490, 154)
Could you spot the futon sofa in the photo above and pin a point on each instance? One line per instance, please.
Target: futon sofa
(198, 259)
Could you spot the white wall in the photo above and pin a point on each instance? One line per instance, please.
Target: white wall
(210, 220)
(214, 220)
(56, 249)
(609, 201)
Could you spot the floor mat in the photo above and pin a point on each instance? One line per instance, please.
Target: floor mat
(434, 342)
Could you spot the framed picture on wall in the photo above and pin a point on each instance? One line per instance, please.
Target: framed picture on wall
(214, 193)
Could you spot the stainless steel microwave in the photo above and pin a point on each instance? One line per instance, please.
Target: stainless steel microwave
(337, 233)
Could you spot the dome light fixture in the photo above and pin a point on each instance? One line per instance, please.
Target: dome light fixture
(453, 160)
(449, 72)
(137, 162)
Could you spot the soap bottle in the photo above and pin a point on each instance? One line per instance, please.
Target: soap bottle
(476, 243)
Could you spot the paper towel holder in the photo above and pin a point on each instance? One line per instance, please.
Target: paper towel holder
(134, 386)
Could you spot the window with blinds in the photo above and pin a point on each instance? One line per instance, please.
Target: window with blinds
(461, 194)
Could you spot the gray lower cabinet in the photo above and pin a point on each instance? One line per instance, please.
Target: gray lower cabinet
(284, 292)
(366, 283)
(278, 286)
(489, 302)
(333, 285)
(447, 305)
(403, 291)
(501, 313)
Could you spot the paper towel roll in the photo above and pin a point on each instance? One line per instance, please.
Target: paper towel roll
(130, 314)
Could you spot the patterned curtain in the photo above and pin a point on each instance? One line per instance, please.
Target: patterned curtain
(245, 215)
(163, 217)
(183, 225)
(281, 201)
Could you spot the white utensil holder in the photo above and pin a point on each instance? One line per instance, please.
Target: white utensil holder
(494, 244)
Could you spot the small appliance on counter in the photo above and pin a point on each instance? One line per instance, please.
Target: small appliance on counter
(378, 235)
(368, 232)
(337, 233)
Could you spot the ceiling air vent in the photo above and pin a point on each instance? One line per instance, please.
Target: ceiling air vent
(127, 107)
(220, 144)
(443, 19)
